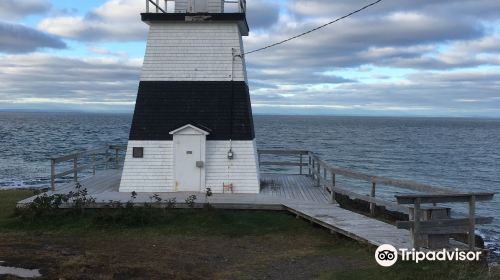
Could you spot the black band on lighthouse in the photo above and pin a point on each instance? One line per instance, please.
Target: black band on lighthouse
(223, 107)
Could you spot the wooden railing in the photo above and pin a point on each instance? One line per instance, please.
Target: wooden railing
(329, 181)
(434, 227)
(161, 6)
(299, 153)
(96, 157)
(326, 176)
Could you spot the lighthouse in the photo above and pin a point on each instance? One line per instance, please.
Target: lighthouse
(192, 127)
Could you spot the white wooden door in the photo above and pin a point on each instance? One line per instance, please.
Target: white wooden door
(200, 6)
(188, 151)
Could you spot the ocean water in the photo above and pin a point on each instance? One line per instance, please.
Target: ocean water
(459, 153)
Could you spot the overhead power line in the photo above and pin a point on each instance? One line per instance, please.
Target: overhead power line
(317, 28)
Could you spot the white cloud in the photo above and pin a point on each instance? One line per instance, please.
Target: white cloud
(61, 80)
(115, 20)
(16, 9)
(262, 13)
(421, 57)
(17, 38)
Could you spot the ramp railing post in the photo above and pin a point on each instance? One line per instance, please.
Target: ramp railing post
(472, 222)
(318, 174)
(332, 193)
(93, 164)
(53, 174)
(372, 205)
(309, 164)
(416, 224)
(300, 164)
(107, 159)
(75, 169)
(117, 157)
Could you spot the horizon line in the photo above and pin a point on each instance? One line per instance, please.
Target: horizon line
(130, 112)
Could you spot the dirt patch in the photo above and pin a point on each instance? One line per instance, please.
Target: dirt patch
(156, 256)
(307, 267)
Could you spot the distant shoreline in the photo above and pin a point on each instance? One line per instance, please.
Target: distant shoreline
(29, 111)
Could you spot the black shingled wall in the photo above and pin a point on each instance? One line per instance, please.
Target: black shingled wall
(222, 107)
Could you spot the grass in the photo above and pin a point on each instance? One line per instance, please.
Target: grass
(166, 221)
(428, 270)
(8, 200)
(175, 221)
(192, 244)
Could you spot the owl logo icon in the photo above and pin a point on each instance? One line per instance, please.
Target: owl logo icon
(386, 255)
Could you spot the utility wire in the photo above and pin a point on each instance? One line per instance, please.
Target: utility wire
(317, 28)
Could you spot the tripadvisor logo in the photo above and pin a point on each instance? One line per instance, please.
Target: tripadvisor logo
(387, 255)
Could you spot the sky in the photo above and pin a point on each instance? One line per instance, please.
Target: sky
(398, 58)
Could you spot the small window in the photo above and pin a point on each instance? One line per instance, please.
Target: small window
(138, 152)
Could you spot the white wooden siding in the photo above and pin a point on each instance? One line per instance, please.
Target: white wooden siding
(242, 171)
(193, 51)
(154, 172)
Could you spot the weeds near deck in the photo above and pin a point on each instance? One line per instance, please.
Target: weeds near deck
(208, 193)
(80, 199)
(45, 204)
(190, 201)
(171, 203)
(63, 209)
(156, 198)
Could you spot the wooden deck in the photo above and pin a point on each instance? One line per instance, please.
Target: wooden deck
(294, 193)
(303, 195)
(295, 187)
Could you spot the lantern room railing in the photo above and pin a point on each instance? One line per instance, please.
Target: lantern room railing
(168, 6)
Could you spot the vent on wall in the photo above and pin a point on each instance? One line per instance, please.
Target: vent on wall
(138, 152)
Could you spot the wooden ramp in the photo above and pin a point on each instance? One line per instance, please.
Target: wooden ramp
(350, 224)
(294, 193)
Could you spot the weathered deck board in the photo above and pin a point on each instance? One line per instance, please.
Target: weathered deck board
(297, 187)
(351, 224)
(294, 193)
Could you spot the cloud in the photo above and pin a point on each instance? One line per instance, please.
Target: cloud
(420, 36)
(16, 38)
(262, 14)
(348, 43)
(15, 9)
(421, 57)
(291, 75)
(479, 9)
(119, 20)
(426, 39)
(72, 81)
(112, 83)
(115, 20)
(107, 52)
(461, 93)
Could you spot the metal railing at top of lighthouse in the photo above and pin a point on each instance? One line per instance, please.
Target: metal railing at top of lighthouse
(242, 4)
(162, 6)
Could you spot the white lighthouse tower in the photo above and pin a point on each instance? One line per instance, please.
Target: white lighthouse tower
(192, 126)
